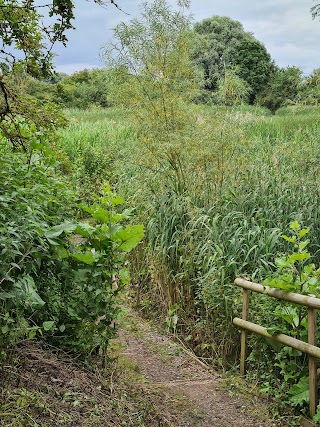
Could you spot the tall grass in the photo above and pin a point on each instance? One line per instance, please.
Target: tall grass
(246, 174)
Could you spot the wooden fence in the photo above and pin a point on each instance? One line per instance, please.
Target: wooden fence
(309, 348)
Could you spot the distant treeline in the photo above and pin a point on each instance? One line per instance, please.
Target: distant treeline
(233, 67)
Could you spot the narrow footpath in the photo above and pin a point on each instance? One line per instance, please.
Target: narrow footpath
(190, 394)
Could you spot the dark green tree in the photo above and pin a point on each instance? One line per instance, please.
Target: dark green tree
(84, 88)
(222, 44)
(218, 39)
(309, 91)
(254, 65)
(282, 89)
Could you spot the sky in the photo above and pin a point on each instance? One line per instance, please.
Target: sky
(285, 27)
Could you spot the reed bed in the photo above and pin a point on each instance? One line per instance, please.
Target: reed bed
(247, 175)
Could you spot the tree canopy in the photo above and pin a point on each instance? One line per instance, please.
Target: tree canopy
(223, 44)
(217, 41)
(254, 64)
(282, 89)
(28, 31)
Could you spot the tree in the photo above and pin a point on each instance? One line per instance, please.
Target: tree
(217, 41)
(254, 65)
(155, 78)
(232, 90)
(222, 44)
(283, 88)
(84, 88)
(150, 56)
(27, 39)
(309, 91)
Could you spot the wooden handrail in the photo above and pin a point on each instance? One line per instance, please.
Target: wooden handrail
(309, 348)
(307, 301)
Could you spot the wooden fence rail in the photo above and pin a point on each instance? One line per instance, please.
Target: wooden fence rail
(309, 348)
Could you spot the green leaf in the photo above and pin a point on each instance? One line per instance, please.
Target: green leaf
(129, 237)
(301, 256)
(274, 330)
(72, 313)
(32, 334)
(303, 244)
(303, 232)
(84, 230)
(6, 295)
(106, 217)
(282, 262)
(5, 329)
(116, 200)
(24, 132)
(274, 344)
(87, 258)
(25, 292)
(61, 252)
(48, 325)
(62, 328)
(289, 314)
(102, 215)
(124, 276)
(291, 239)
(57, 230)
(295, 226)
(299, 393)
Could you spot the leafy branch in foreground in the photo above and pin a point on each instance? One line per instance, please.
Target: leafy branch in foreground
(295, 273)
(28, 32)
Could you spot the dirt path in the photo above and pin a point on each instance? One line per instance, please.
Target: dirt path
(194, 395)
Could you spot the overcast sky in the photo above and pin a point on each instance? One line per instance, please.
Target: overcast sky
(285, 27)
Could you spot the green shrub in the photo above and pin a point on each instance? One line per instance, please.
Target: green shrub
(59, 278)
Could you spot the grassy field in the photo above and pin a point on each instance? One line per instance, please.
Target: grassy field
(244, 176)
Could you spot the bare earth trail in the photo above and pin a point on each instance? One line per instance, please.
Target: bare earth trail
(190, 393)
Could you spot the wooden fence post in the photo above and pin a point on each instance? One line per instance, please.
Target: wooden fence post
(312, 331)
(244, 333)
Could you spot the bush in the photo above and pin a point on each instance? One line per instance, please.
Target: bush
(58, 278)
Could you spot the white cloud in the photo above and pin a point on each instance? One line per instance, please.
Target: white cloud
(284, 26)
(72, 68)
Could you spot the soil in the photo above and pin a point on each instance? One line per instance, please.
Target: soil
(150, 381)
(165, 364)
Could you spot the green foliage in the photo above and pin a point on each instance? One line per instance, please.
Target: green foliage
(309, 90)
(255, 65)
(282, 89)
(28, 32)
(299, 393)
(25, 30)
(58, 278)
(84, 89)
(297, 274)
(248, 174)
(91, 273)
(216, 47)
(232, 90)
(32, 198)
(155, 78)
(156, 73)
(222, 44)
